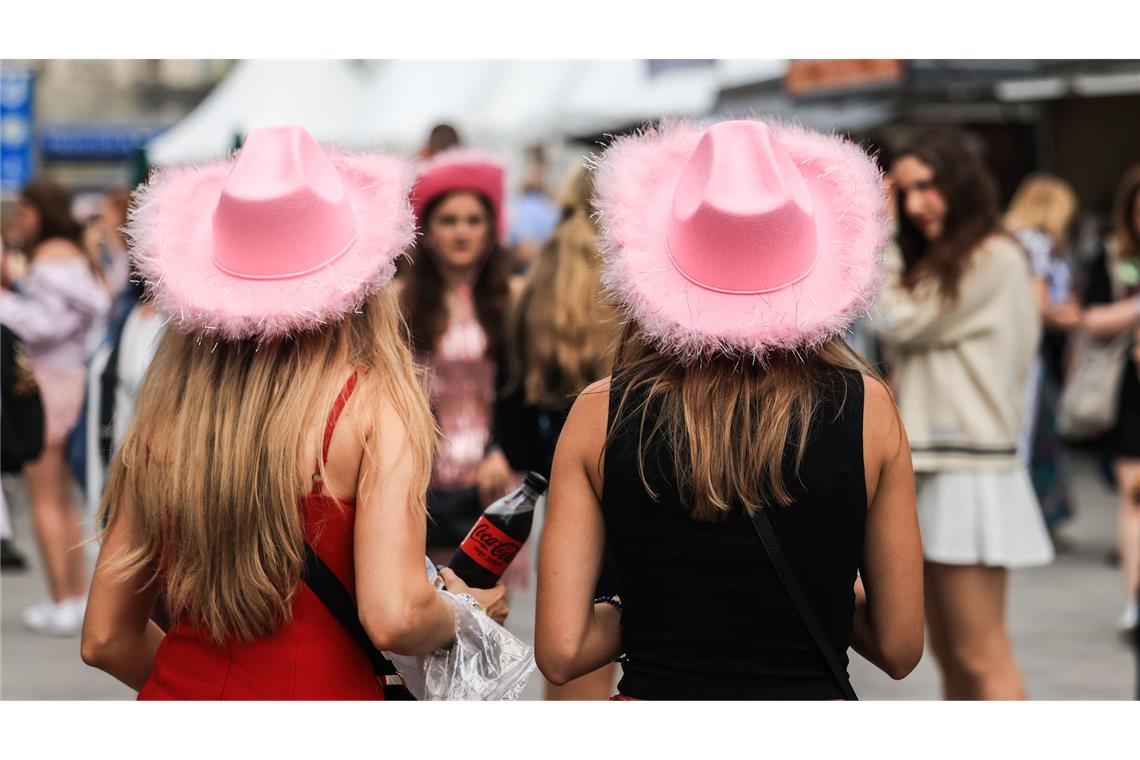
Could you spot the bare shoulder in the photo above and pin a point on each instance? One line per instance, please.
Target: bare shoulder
(597, 388)
(592, 405)
(585, 428)
(58, 249)
(883, 433)
(583, 438)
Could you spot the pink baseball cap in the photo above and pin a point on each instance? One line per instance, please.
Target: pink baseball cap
(282, 238)
(740, 237)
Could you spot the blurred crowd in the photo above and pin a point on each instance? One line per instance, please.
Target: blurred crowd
(509, 314)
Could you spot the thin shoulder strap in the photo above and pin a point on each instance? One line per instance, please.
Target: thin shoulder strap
(323, 582)
(799, 599)
(334, 415)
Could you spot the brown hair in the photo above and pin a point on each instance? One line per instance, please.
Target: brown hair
(728, 421)
(1046, 203)
(52, 203)
(209, 468)
(441, 138)
(972, 213)
(1123, 228)
(423, 290)
(562, 329)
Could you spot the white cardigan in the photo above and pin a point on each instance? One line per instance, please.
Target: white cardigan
(960, 367)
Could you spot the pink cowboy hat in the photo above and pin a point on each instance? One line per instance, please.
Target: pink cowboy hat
(742, 237)
(459, 169)
(283, 238)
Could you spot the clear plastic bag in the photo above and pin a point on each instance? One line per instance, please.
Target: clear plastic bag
(486, 662)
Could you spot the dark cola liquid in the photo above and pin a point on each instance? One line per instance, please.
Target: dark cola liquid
(491, 544)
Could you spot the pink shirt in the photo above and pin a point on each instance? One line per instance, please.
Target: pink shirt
(463, 397)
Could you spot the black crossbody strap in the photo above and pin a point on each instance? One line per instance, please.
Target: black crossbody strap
(323, 581)
(799, 599)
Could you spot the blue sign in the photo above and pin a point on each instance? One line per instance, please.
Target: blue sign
(16, 129)
(94, 142)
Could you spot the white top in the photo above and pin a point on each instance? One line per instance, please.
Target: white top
(140, 339)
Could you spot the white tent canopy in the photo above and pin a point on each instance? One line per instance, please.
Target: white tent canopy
(325, 97)
(499, 105)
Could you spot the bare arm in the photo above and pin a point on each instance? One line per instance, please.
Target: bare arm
(573, 636)
(888, 625)
(1106, 321)
(119, 637)
(398, 607)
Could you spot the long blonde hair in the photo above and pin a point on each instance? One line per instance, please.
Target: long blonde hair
(562, 329)
(209, 468)
(1043, 202)
(727, 421)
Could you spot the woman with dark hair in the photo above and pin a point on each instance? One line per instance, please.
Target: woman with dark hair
(455, 293)
(747, 469)
(1112, 308)
(55, 310)
(961, 326)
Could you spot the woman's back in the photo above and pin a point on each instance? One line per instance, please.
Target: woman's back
(704, 615)
(311, 656)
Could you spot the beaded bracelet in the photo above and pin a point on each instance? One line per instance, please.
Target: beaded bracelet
(611, 600)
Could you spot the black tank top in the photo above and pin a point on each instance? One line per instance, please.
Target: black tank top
(704, 615)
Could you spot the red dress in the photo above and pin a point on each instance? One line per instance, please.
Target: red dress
(310, 657)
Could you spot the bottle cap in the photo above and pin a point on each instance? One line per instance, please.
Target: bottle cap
(535, 482)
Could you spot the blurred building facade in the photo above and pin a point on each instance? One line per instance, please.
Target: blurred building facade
(90, 117)
(1077, 118)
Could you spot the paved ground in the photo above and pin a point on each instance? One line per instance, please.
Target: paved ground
(1062, 618)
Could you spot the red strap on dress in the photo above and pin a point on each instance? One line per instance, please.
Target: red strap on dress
(334, 415)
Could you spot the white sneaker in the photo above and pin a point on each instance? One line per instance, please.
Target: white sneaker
(52, 619)
(1128, 618)
(36, 616)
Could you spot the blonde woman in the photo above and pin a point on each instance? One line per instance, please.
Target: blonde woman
(560, 336)
(1041, 216)
(281, 409)
(739, 253)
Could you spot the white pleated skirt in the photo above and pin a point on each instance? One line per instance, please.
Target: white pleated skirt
(982, 518)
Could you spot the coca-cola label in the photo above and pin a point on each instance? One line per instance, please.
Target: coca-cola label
(490, 547)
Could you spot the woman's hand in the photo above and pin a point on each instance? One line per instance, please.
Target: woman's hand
(494, 477)
(494, 600)
(1064, 317)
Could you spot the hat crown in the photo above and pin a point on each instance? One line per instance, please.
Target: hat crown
(284, 210)
(742, 219)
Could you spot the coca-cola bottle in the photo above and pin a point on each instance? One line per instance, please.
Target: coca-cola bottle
(493, 542)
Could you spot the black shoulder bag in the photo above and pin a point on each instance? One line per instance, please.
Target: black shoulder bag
(335, 597)
(799, 599)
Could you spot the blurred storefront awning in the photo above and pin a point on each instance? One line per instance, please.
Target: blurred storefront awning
(94, 142)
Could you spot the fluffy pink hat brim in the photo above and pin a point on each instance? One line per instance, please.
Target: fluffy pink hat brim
(635, 179)
(170, 244)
